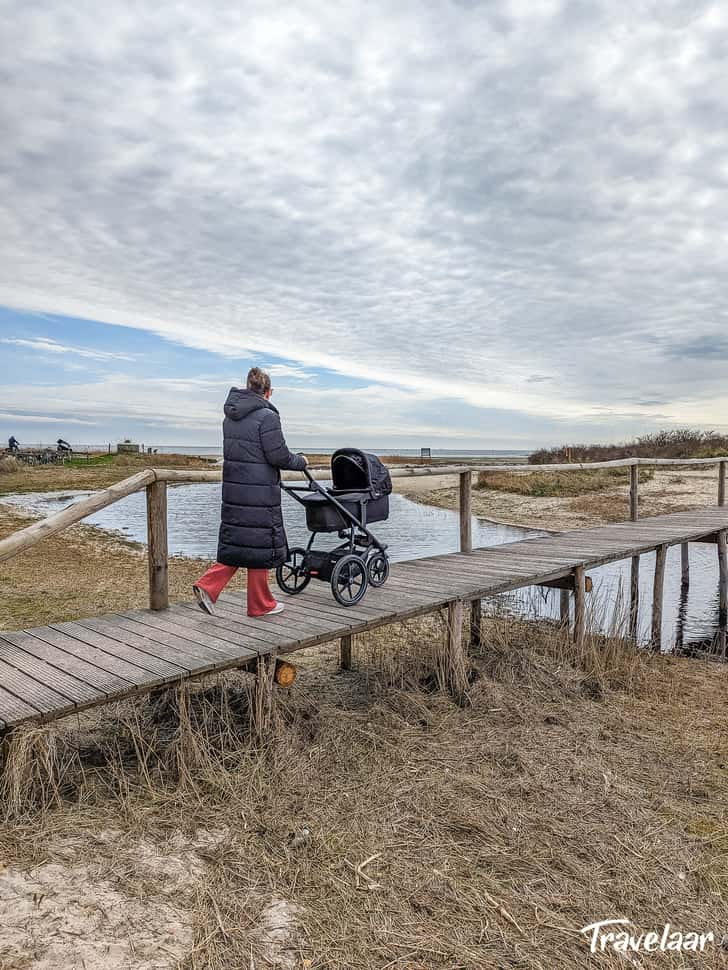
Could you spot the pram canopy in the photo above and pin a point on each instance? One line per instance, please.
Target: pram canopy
(358, 471)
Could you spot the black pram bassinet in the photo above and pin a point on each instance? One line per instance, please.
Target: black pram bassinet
(360, 482)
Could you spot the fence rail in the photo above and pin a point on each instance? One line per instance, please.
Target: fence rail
(156, 480)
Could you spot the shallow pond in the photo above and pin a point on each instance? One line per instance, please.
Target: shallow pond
(414, 530)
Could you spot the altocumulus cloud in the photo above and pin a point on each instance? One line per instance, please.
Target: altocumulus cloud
(394, 191)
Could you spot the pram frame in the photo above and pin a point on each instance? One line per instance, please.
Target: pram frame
(354, 523)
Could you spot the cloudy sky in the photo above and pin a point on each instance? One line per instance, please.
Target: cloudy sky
(463, 224)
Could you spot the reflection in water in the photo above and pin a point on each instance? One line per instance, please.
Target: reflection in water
(414, 530)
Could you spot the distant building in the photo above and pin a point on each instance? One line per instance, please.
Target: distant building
(127, 447)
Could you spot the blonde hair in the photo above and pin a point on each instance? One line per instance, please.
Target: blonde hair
(258, 380)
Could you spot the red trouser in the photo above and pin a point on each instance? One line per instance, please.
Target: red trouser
(260, 598)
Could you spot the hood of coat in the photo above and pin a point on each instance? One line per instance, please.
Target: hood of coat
(242, 402)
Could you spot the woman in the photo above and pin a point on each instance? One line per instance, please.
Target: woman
(251, 528)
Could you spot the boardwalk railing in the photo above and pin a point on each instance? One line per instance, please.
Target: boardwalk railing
(156, 480)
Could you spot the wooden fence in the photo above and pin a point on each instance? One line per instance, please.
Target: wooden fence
(156, 480)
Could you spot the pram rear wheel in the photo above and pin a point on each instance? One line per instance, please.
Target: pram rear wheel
(378, 569)
(349, 580)
(292, 576)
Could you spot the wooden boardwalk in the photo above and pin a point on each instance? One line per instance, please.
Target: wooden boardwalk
(51, 671)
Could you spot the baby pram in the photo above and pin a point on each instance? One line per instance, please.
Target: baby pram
(359, 495)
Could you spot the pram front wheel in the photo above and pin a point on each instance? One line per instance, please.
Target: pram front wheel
(292, 576)
(378, 569)
(349, 580)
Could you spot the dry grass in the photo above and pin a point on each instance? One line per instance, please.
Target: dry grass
(8, 465)
(553, 483)
(671, 443)
(385, 826)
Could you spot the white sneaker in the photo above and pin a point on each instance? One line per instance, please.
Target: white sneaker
(278, 608)
(203, 600)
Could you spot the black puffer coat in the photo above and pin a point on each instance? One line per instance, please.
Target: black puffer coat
(251, 527)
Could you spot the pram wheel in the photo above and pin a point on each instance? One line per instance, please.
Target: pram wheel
(349, 580)
(378, 569)
(292, 575)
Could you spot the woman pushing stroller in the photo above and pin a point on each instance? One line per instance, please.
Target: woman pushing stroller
(252, 534)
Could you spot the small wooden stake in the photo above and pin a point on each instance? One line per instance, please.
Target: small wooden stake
(157, 549)
(722, 592)
(466, 532)
(579, 608)
(685, 564)
(634, 492)
(721, 483)
(657, 597)
(634, 597)
(476, 618)
(345, 653)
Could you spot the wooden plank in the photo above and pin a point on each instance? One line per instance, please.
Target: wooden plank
(32, 692)
(56, 677)
(465, 511)
(185, 623)
(657, 597)
(103, 653)
(14, 711)
(157, 546)
(161, 643)
(74, 663)
(107, 637)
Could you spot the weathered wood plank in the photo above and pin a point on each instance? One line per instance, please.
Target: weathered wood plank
(33, 692)
(60, 680)
(102, 681)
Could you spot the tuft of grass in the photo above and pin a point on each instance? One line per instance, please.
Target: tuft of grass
(8, 465)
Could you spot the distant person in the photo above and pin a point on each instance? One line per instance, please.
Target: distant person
(251, 529)
(13, 444)
(63, 446)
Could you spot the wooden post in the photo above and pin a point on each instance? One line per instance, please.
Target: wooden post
(476, 618)
(564, 608)
(722, 592)
(453, 673)
(579, 608)
(157, 550)
(721, 483)
(657, 597)
(685, 564)
(634, 597)
(634, 492)
(345, 653)
(466, 532)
